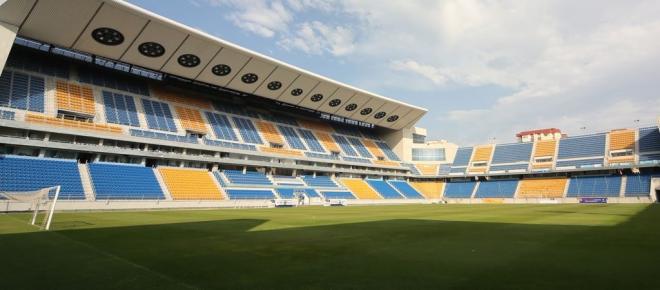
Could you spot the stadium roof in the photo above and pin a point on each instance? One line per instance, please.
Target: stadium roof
(125, 32)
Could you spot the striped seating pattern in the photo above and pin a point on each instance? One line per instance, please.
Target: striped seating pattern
(360, 188)
(405, 189)
(74, 98)
(191, 119)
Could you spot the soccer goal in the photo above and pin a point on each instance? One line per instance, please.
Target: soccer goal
(43, 199)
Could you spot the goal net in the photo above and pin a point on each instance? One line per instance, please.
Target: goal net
(41, 200)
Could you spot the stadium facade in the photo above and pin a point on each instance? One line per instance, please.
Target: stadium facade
(127, 109)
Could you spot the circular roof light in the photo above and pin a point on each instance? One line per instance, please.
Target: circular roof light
(249, 78)
(221, 70)
(316, 98)
(351, 107)
(188, 60)
(274, 85)
(366, 111)
(297, 92)
(107, 36)
(151, 49)
(380, 115)
(393, 118)
(334, 103)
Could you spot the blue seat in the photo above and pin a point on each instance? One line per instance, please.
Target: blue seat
(319, 181)
(384, 189)
(18, 173)
(638, 185)
(124, 181)
(459, 189)
(406, 189)
(289, 192)
(594, 186)
(337, 195)
(497, 188)
(249, 178)
(250, 194)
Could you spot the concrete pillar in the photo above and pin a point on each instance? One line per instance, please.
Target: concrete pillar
(42, 152)
(7, 34)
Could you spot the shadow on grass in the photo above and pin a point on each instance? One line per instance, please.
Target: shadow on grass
(391, 254)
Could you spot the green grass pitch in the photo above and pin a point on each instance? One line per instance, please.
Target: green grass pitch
(378, 247)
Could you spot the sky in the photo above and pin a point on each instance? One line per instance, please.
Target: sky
(485, 70)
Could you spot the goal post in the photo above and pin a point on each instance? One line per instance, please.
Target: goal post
(40, 199)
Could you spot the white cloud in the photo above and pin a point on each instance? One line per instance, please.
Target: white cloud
(316, 38)
(264, 18)
(425, 71)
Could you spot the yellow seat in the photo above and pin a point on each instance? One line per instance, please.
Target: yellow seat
(360, 188)
(429, 189)
(191, 119)
(426, 169)
(373, 148)
(542, 187)
(269, 132)
(622, 140)
(185, 183)
(74, 98)
(314, 125)
(170, 96)
(327, 141)
(36, 118)
(282, 151)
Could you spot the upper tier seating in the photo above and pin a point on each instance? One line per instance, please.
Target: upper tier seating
(221, 126)
(74, 98)
(361, 149)
(649, 144)
(287, 180)
(340, 194)
(373, 148)
(638, 185)
(186, 183)
(180, 98)
(280, 151)
(120, 109)
(413, 168)
(22, 91)
(384, 189)
(234, 109)
(482, 153)
(405, 189)
(430, 189)
(249, 178)
(356, 159)
(319, 181)
(269, 132)
(19, 173)
(102, 78)
(512, 153)
(312, 143)
(459, 189)
(544, 150)
(594, 186)
(327, 142)
(158, 115)
(360, 188)
(39, 63)
(347, 130)
(277, 118)
(250, 194)
(461, 160)
(292, 137)
(496, 188)
(542, 187)
(345, 146)
(317, 126)
(622, 139)
(191, 119)
(444, 169)
(288, 193)
(582, 146)
(247, 130)
(388, 151)
(124, 181)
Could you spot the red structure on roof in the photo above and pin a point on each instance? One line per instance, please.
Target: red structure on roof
(538, 131)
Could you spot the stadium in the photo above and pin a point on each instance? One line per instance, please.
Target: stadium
(160, 156)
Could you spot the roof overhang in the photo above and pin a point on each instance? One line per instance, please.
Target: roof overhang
(71, 23)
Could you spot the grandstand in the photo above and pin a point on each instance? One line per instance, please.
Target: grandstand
(127, 109)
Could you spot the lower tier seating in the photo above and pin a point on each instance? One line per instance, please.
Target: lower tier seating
(405, 189)
(594, 186)
(124, 181)
(337, 195)
(429, 189)
(184, 183)
(459, 189)
(289, 192)
(638, 185)
(384, 189)
(250, 194)
(542, 187)
(248, 178)
(19, 173)
(360, 188)
(496, 189)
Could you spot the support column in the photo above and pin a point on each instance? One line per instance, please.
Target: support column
(7, 34)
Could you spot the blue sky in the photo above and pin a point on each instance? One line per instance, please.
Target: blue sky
(484, 69)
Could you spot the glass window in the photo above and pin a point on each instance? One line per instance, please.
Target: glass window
(428, 154)
(418, 139)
